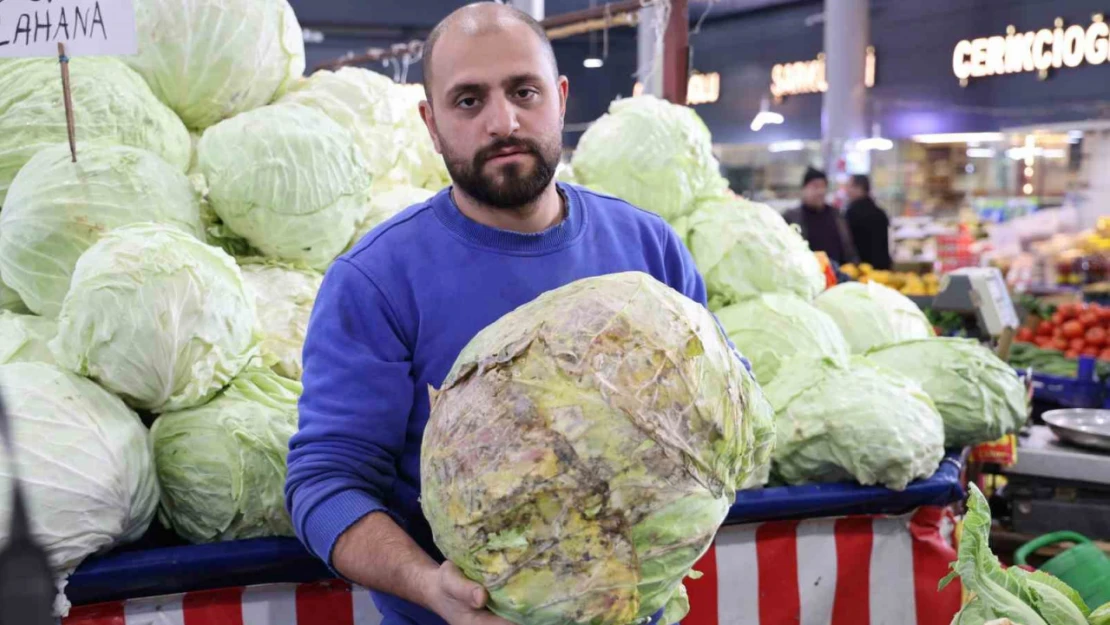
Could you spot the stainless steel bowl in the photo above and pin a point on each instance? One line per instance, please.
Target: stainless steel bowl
(1081, 426)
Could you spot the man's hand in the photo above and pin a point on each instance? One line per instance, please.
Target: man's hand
(458, 600)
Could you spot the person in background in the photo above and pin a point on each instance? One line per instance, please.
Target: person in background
(822, 225)
(869, 224)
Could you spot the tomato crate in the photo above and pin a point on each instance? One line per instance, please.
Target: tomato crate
(1083, 391)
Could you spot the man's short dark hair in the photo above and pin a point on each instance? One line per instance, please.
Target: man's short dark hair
(442, 26)
(814, 174)
(862, 182)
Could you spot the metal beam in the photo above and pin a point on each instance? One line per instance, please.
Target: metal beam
(676, 53)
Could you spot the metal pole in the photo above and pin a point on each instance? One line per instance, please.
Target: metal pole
(843, 118)
(676, 53)
(649, 65)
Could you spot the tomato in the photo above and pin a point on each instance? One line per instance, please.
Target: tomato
(1060, 344)
(1044, 328)
(1104, 354)
(1073, 329)
(1076, 345)
(1067, 311)
(1043, 342)
(1071, 353)
(1090, 350)
(1096, 336)
(1058, 318)
(1025, 335)
(1104, 314)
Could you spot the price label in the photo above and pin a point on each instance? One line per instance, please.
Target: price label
(86, 27)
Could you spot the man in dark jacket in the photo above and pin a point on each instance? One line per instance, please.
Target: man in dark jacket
(869, 224)
(822, 225)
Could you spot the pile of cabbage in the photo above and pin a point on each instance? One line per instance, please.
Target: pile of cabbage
(584, 449)
(861, 388)
(1011, 595)
(155, 293)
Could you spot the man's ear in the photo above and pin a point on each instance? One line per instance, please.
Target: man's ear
(564, 90)
(429, 117)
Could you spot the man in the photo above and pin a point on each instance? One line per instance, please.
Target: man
(394, 313)
(822, 225)
(869, 224)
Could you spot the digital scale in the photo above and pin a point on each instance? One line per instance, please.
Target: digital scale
(1056, 485)
(979, 293)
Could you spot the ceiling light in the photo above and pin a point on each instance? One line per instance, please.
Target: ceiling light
(787, 146)
(981, 153)
(592, 62)
(960, 137)
(765, 116)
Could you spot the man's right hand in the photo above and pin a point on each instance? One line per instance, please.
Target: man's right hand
(458, 600)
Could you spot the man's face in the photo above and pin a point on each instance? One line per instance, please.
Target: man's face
(854, 192)
(496, 112)
(813, 194)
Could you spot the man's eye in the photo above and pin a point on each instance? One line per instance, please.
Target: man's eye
(466, 103)
(525, 94)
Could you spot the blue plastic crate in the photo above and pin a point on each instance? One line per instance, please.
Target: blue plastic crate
(1082, 391)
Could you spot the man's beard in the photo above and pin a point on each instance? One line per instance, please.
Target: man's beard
(511, 186)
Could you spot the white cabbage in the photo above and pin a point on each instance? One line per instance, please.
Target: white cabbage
(212, 59)
(26, 338)
(84, 461)
(872, 315)
(111, 105)
(287, 179)
(283, 299)
(56, 209)
(157, 317)
(651, 153)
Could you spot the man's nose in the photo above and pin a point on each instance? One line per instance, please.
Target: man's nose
(501, 117)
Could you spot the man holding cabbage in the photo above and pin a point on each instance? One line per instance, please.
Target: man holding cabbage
(394, 313)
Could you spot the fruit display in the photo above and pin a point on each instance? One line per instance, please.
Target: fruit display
(1076, 329)
(905, 282)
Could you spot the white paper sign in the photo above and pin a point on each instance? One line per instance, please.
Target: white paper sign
(86, 27)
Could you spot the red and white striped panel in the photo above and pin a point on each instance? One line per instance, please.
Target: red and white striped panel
(839, 571)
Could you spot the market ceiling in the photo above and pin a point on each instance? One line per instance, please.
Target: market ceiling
(421, 14)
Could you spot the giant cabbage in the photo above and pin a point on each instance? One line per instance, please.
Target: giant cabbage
(283, 298)
(157, 317)
(1027, 598)
(872, 315)
(358, 100)
(584, 449)
(212, 59)
(651, 153)
(852, 421)
(287, 179)
(979, 396)
(56, 209)
(744, 249)
(111, 104)
(9, 300)
(775, 327)
(222, 465)
(26, 338)
(83, 458)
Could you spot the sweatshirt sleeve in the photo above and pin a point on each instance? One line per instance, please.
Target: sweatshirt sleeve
(354, 410)
(688, 281)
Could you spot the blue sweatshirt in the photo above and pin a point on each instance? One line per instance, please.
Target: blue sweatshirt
(390, 319)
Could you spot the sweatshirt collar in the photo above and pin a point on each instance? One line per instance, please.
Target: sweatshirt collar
(553, 238)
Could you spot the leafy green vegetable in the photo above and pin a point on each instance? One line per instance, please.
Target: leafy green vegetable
(418, 163)
(978, 395)
(26, 338)
(210, 59)
(872, 315)
(111, 105)
(84, 460)
(839, 421)
(283, 298)
(1013, 594)
(56, 209)
(156, 316)
(222, 465)
(744, 249)
(1101, 615)
(651, 153)
(386, 200)
(599, 432)
(287, 179)
(775, 327)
